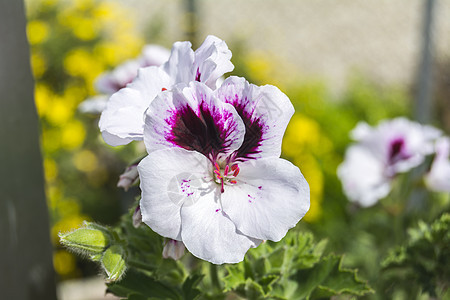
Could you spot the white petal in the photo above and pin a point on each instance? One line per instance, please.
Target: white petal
(123, 119)
(270, 197)
(179, 65)
(94, 105)
(209, 234)
(212, 60)
(193, 119)
(111, 82)
(154, 55)
(438, 179)
(265, 110)
(362, 176)
(169, 179)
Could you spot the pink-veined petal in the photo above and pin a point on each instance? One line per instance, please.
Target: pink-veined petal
(270, 197)
(265, 111)
(122, 121)
(209, 234)
(170, 179)
(193, 119)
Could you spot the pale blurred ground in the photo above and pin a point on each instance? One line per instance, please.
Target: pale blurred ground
(323, 39)
(84, 289)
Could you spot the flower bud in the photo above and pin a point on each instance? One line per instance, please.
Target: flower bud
(113, 262)
(129, 177)
(173, 249)
(92, 240)
(137, 217)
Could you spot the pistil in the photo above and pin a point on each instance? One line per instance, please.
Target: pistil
(225, 175)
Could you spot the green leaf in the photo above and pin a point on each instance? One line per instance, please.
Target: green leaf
(328, 278)
(424, 260)
(235, 277)
(253, 290)
(136, 283)
(189, 288)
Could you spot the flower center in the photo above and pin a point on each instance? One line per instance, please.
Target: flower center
(226, 175)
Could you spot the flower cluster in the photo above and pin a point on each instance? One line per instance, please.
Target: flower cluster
(213, 178)
(393, 147)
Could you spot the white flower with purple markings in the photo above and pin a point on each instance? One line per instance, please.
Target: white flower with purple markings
(110, 82)
(213, 178)
(394, 146)
(122, 120)
(438, 178)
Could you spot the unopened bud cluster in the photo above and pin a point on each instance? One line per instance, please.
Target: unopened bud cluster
(100, 244)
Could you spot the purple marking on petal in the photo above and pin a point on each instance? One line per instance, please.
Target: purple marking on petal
(217, 210)
(260, 187)
(254, 129)
(198, 75)
(251, 198)
(207, 131)
(397, 150)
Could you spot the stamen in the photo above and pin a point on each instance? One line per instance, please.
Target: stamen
(221, 189)
(225, 173)
(218, 174)
(236, 171)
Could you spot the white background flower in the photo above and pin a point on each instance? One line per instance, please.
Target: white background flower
(394, 146)
(110, 82)
(438, 178)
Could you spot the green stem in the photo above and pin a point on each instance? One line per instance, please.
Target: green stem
(215, 278)
(137, 264)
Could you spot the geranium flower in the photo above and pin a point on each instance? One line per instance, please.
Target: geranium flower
(438, 178)
(394, 146)
(122, 121)
(110, 82)
(213, 178)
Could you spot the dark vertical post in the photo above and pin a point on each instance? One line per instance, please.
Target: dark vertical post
(192, 22)
(26, 270)
(423, 106)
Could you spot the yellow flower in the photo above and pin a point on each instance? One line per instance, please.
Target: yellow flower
(59, 111)
(63, 262)
(85, 29)
(314, 176)
(73, 134)
(50, 169)
(37, 31)
(42, 96)
(79, 62)
(38, 64)
(85, 161)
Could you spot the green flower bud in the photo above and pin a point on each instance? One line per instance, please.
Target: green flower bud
(91, 240)
(113, 261)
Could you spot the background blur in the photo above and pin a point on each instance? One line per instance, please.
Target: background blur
(338, 62)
